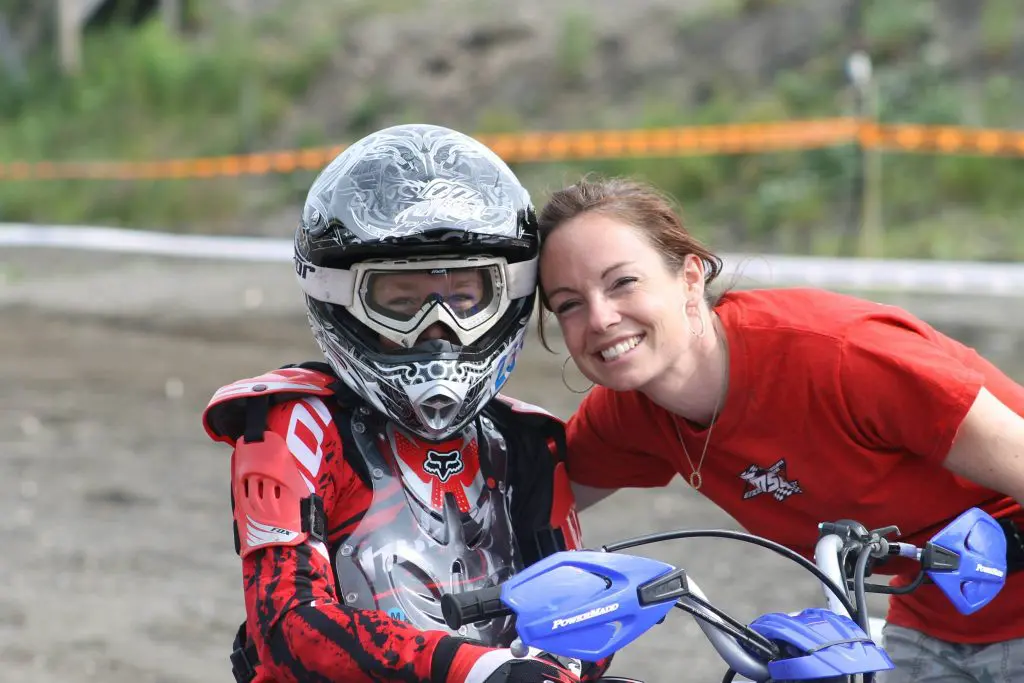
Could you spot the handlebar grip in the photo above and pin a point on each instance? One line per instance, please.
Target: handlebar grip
(472, 606)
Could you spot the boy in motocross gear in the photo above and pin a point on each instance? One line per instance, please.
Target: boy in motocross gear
(365, 488)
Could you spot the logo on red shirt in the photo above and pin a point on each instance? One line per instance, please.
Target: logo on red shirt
(771, 480)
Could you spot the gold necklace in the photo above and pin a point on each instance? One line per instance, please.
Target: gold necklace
(695, 478)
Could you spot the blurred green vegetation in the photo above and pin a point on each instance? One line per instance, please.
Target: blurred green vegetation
(948, 207)
(146, 94)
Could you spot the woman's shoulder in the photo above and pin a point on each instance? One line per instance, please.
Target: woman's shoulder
(806, 311)
(618, 407)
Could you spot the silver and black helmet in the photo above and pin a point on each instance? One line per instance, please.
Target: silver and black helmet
(408, 229)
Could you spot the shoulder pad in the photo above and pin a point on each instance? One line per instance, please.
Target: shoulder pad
(524, 408)
(225, 412)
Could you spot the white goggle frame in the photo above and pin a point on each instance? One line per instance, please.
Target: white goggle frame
(347, 287)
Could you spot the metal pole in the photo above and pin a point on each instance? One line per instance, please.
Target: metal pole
(868, 175)
(855, 199)
(872, 233)
(69, 36)
(850, 232)
(869, 242)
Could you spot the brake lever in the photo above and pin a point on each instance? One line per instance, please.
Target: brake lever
(522, 651)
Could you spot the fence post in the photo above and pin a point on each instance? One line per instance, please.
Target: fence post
(171, 12)
(871, 238)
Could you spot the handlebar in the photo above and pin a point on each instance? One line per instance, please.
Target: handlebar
(731, 650)
(471, 606)
(583, 593)
(826, 557)
(482, 604)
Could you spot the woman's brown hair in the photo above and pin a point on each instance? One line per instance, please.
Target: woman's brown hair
(635, 203)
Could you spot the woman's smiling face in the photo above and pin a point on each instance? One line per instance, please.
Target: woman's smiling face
(618, 303)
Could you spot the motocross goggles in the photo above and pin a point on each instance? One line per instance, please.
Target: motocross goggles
(400, 299)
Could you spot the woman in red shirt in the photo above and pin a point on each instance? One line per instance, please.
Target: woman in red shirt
(785, 407)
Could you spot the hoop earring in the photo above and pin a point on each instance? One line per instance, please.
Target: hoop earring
(564, 363)
(703, 326)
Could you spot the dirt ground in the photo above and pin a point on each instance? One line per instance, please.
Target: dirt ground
(117, 563)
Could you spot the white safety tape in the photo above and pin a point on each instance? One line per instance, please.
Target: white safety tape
(974, 278)
(920, 276)
(120, 240)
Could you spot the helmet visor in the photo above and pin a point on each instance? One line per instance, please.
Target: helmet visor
(402, 300)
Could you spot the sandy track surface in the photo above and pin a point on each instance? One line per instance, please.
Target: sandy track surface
(117, 559)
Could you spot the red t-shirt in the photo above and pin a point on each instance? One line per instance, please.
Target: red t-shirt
(837, 408)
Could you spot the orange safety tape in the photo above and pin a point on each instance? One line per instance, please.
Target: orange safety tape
(744, 138)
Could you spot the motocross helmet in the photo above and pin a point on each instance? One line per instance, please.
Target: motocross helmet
(411, 230)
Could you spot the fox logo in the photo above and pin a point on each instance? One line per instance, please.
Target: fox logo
(443, 465)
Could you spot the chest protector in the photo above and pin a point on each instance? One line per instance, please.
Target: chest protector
(444, 517)
(439, 522)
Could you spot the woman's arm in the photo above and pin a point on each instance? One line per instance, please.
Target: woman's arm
(612, 444)
(989, 447)
(906, 386)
